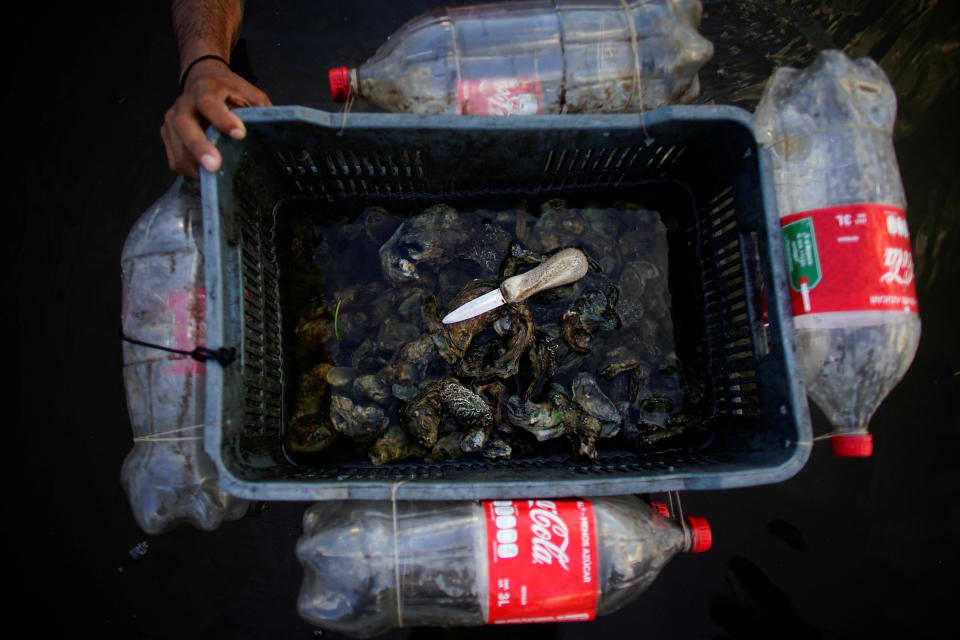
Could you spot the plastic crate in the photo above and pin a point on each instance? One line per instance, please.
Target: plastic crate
(734, 301)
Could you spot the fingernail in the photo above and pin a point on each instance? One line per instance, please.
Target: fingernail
(209, 162)
(237, 134)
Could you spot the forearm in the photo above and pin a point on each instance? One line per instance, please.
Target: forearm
(204, 27)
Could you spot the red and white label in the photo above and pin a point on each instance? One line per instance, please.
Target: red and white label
(849, 258)
(542, 559)
(500, 97)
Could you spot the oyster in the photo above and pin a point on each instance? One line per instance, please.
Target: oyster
(497, 448)
(395, 444)
(651, 427)
(424, 414)
(655, 410)
(447, 447)
(423, 244)
(590, 313)
(340, 376)
(495, 393)
(692, 385)
(543, 420)
(360, 423)
(623, 360)
(373, 387)
(359, 308)
(410, 305)
(518, 257)
(309, 429)
(410, 363)
(644, 236)
(488, 243)
(557, 226)
(452, 340)
(603, 225)
(557, 416)
(470, 411)
(395, 332)
(681, 429)
(313, 329)
(404, 392)
(645, 287)
(500, 356)
(367, 357)
(542, 361)
(309, 434)
(496, 357)
(582, 429)
(587, 394)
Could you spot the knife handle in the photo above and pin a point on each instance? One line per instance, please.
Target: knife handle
(562, 268)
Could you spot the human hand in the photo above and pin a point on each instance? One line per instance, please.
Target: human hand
(211, 91)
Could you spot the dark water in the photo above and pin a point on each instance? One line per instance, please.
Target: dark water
(846, 549)
(357, 282)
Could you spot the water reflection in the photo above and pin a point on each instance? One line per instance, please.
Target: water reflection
(758, 608)
(916, 43)
(787, 533)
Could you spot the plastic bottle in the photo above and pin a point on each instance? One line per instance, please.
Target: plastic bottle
(842, 211)
(374, 566)
(538, 56)
(168, 477)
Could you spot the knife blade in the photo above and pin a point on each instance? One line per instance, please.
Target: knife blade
(563, 267)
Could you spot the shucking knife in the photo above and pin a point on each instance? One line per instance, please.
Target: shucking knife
(561, 268)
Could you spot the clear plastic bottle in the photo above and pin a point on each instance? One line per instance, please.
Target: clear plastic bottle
(842, 209)
(374, 566)
(536, 56)
(168, 477)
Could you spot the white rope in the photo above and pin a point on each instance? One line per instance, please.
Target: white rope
(346, 109)
(397, 574)
(162, 435)
(637, 80)
(676, 508)
(636, 53)
(823, 436)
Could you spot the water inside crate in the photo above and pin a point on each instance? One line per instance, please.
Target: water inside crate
(372, 376)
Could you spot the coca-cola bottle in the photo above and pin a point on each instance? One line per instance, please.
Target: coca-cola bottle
(842, 212)
(374, 566)
(168, 477)
(537, 56)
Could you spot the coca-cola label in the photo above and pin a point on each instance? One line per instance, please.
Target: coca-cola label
(500, 97)
(852, 257)
(542, 559)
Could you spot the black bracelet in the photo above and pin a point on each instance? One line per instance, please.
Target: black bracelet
(186, 72)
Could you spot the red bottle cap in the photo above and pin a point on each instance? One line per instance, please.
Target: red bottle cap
(660, 507)
(340, 84)
(701, 534)
(857, 445)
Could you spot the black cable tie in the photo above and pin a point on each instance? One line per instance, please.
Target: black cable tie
(224, 355)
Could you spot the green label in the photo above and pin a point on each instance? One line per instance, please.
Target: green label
(803, 261)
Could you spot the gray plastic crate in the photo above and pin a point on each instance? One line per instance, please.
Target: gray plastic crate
(735, 304)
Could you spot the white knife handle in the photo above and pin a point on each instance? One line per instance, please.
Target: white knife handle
(562, 268)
